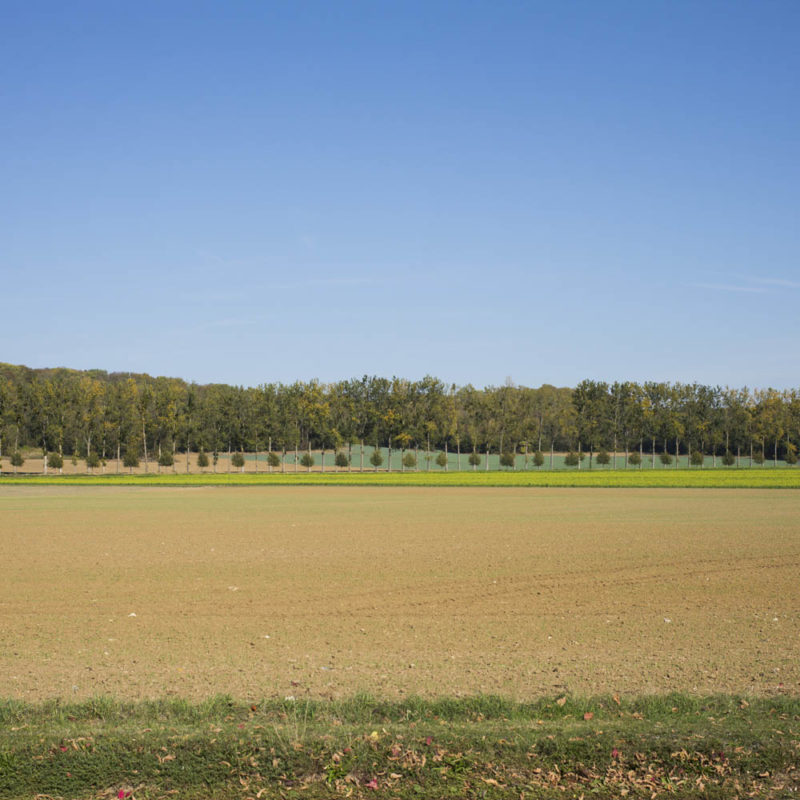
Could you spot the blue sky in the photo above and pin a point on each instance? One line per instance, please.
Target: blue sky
(258, 191)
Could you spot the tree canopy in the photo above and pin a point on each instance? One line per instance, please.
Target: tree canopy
(80, 413)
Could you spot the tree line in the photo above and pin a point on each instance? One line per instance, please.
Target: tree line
(97, 415)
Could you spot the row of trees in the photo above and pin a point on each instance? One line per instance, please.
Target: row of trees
(97, 415)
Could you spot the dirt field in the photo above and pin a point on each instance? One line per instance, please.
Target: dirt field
(147, 592)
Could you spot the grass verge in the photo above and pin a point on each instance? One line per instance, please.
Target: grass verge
(678, 479)
(478, 747)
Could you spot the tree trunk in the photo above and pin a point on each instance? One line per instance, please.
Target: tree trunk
(144, 441)
(579, 455)
(349, 456)
(322, 465)
(269, 454)
(653, 448)
(229, 457)
(389, 460)
(641, 454)
(775, 454)
(487, 458)
(118, 459)
(446, 460)
(458, 457)
(614, 457)
(552, 448)
(676, 452)
(296, 459)
(362, 456)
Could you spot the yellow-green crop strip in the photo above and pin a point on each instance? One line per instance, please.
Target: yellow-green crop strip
(683, 479)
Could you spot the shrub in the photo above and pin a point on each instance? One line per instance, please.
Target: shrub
(474, 459)
(729, 459)
(93, 461)
(202, 459)
(55, 461)
(507, 460)
(376, 459)
(409, 460)
(341, 459)
(237, 459)
(441, 460)
(17, 459)
(665, 458)
(790, 457)
(274, 460)
(131, 459)
(697, 458)
(758, 458)
(603, 458)
(307, 460)
(571, 459)
(538, 458)
(165, 459)
(634, 458)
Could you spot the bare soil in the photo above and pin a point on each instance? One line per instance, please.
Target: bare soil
(271, 592)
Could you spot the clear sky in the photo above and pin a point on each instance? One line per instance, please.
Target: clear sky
(262, 191)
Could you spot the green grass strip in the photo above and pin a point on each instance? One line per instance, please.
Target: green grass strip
(477, 747)
(680, 479)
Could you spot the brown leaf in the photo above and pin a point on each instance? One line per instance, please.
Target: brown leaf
(561, 701)
(588, 715)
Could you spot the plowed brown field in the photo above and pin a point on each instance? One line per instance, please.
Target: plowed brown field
(147, 592)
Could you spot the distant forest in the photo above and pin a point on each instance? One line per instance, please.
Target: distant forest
(94, 414)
